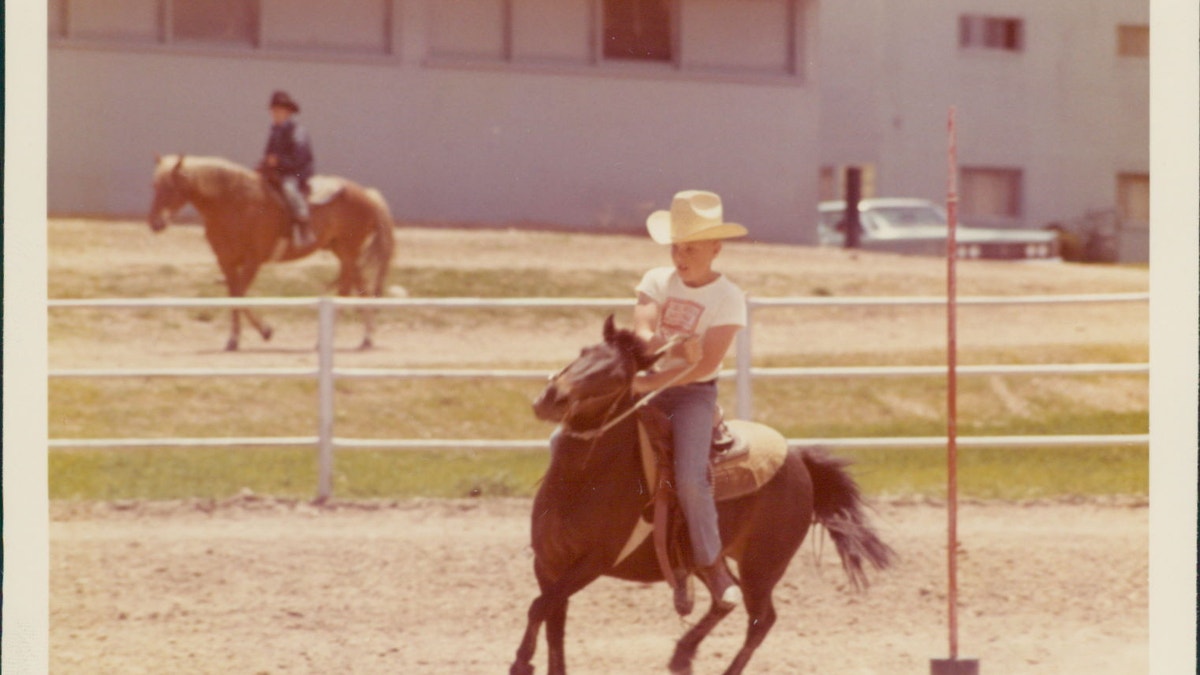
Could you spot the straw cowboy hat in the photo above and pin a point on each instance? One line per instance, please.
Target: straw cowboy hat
(280, 99)
(695, 215)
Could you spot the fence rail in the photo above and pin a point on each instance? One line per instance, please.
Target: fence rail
(743, 374)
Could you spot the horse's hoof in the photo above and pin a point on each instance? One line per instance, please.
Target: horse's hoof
(267, 332)
(680, 669)
(366, 345)
(521, 669)
(681, 662)
(231, 346)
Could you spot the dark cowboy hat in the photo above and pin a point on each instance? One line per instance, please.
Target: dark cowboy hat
(280, 99)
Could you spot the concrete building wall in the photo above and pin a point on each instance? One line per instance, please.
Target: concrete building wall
(520, 132)
(457, 120)
(1065, 109)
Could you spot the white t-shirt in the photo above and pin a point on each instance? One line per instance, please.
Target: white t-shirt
(683, 310)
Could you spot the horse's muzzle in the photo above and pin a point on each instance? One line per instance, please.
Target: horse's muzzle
(157, 221)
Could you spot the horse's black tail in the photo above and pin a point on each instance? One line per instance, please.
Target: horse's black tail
(839, 507)
(377, 254)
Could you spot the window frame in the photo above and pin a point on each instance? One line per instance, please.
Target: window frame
(1129, 182)
(1130, 35)
(170, 28)
(991, 34)
(801, 29)
(258, 44)
(1015, 197)
(673, 16)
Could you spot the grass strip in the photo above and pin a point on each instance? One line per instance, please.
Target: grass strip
(218, 473)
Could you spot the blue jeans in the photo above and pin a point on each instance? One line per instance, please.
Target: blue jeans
(297, 204)
(690, 408)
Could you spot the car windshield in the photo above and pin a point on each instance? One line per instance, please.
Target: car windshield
(910, 216)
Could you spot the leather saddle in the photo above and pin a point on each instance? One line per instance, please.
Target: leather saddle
(741, 460)
(738, 466)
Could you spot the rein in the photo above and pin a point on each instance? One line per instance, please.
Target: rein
(592, 434)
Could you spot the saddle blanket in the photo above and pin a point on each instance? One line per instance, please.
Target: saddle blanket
(745, 472)
(322, 189)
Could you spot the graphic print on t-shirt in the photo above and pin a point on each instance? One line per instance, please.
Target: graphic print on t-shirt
(680, 317)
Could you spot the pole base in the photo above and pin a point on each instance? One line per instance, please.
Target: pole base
(954, 667)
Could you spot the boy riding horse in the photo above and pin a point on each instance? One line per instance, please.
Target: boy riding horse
(288, 164)
(697, 305)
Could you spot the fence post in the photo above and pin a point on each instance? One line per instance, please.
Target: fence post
(326, 321)
(744, 383)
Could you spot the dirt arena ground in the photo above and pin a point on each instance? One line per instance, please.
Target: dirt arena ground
(441, 588)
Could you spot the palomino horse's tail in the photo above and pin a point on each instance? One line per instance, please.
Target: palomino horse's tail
(376, 258)
(838, 506)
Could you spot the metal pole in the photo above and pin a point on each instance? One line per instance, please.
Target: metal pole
(326, 321)
(744, 382)
(952, 380)
(952, 666)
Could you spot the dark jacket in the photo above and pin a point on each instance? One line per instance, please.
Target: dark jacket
(289, 143)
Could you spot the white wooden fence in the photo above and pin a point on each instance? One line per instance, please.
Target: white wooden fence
(325, 373)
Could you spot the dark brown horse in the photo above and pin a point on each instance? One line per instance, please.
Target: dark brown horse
(247, 224)
(594, 492)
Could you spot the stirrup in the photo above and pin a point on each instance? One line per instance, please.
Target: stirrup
(723, 439)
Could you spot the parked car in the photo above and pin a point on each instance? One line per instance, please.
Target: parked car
(918, 226)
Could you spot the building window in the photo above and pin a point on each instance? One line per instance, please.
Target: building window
(989, 32)
(638, 30)
(990, 194)
(469, 29)
(117, 20)
(1133, 199)
(335, 26)
(215, 21)
(1133, 41)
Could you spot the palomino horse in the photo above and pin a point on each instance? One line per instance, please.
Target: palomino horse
(594, 493)
(247, 224)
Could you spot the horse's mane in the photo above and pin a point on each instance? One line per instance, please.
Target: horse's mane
(628, 342)
(215, 175)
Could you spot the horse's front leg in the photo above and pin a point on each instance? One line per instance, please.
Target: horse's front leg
(249, 272)
(538, 613)
(551, 608)
(237, 280)
(552, 612)
(556, 630)
(233, 286)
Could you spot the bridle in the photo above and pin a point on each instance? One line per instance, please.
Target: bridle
(618, 396)
(610, 422)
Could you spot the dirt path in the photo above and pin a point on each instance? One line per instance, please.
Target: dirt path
(441, 588)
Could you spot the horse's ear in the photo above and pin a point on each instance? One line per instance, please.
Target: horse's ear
(610, 329)
(157, 159)
(179, 164)
(645, 359)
